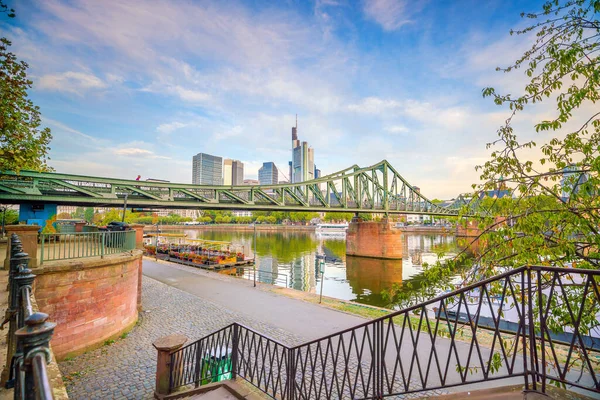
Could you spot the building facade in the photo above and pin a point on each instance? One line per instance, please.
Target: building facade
(207, 169)
(233, 172)
(303, 159)
(268, 174)
(250, 182)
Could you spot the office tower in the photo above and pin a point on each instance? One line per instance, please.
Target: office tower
(268, 174)
(317, 173)
(303, 159)
(233, 172)
(207, 169)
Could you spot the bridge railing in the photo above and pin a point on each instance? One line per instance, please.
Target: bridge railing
(502, 328)
(29, 332)
(62, 246)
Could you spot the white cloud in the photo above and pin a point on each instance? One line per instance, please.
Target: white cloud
(390, 14)
(192, 96)
(132, 152)
(374, 105)
(61, 126)
(170, 127)
(70, 81)
(397, 129)
(137, 152)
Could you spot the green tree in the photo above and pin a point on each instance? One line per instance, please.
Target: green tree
(88, 215)
(554, 218)
(23, 144)
(11, 216)
(338, 216)
(79, 213)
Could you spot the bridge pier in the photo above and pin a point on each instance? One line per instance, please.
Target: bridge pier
(375, 239)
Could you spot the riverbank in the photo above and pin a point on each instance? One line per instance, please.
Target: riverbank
(235, 227)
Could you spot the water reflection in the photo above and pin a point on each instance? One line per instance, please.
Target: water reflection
(291, 258)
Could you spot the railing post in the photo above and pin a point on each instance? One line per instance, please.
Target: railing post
(34, 340)
(102, 238)
(165, 346)
(42, 239)
(18, 264)
(542, 330)
(291, 374)
(523, 332)
(234, 351)
(377, 360)
(531, 334)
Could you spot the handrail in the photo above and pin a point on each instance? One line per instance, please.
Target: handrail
(63, 246)
(419, 349)
(29, 332)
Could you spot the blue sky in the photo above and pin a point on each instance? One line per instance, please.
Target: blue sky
(140, 87)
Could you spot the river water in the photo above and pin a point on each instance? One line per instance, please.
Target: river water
(290, 258)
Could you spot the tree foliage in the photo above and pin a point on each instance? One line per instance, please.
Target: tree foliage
(23, 144)
(554, 216)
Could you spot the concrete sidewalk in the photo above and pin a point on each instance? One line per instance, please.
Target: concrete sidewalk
(303, 319)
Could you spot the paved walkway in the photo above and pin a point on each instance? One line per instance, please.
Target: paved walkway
(125, 369)
(306, 320)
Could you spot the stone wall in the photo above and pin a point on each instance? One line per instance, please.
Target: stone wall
(91, 300)
(373, 239)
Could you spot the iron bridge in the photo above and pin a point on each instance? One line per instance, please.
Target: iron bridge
(378, 188)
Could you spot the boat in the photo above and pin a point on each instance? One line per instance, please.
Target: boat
(331, 229)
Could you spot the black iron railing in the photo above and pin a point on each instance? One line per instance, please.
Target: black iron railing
(29, 332)
(537, 325)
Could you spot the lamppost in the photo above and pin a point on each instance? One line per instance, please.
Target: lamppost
(3, 220)
(254, 254)
(124, 208)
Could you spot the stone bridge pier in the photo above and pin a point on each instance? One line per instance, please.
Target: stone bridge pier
(375, 239)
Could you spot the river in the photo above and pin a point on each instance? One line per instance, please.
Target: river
(290, 258)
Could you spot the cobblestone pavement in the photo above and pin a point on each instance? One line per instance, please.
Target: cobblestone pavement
(126, 368)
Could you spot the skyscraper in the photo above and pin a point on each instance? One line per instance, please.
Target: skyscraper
(268, 174)
(303, 159)
(233, 172)
(207, 169)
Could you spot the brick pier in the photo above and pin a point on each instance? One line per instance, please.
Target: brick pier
(374, 239)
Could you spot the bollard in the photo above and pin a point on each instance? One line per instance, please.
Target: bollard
(20, 259)
(24, 279)
(165, 346)
(34, 342)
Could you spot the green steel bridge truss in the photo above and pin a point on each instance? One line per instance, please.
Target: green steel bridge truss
(378, 188)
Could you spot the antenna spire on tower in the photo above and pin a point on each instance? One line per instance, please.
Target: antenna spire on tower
(296, 121)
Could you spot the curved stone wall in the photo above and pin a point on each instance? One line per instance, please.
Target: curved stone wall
(91, 300)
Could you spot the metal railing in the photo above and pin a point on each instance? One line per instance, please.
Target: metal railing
(62, 246)
(29, 332)
(460, 338)
(273, 278)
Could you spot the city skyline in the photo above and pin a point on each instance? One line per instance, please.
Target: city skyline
(370, 80)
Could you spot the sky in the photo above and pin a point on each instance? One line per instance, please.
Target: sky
(139, 87)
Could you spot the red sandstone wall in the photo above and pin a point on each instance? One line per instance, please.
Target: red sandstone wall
(373, 239)
(90, 301)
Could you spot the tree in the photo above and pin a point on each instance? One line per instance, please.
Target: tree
(79, 213)
(554, 218)
(88, 214)
(63, 216)
(23, 144)
(11, 216)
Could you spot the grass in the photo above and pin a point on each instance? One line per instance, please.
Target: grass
(108, 342)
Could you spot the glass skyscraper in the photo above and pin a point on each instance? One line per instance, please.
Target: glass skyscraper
(268, 174)
(207, 169)
(303, 159)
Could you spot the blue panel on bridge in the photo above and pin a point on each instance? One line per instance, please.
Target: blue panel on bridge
(33, 214)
